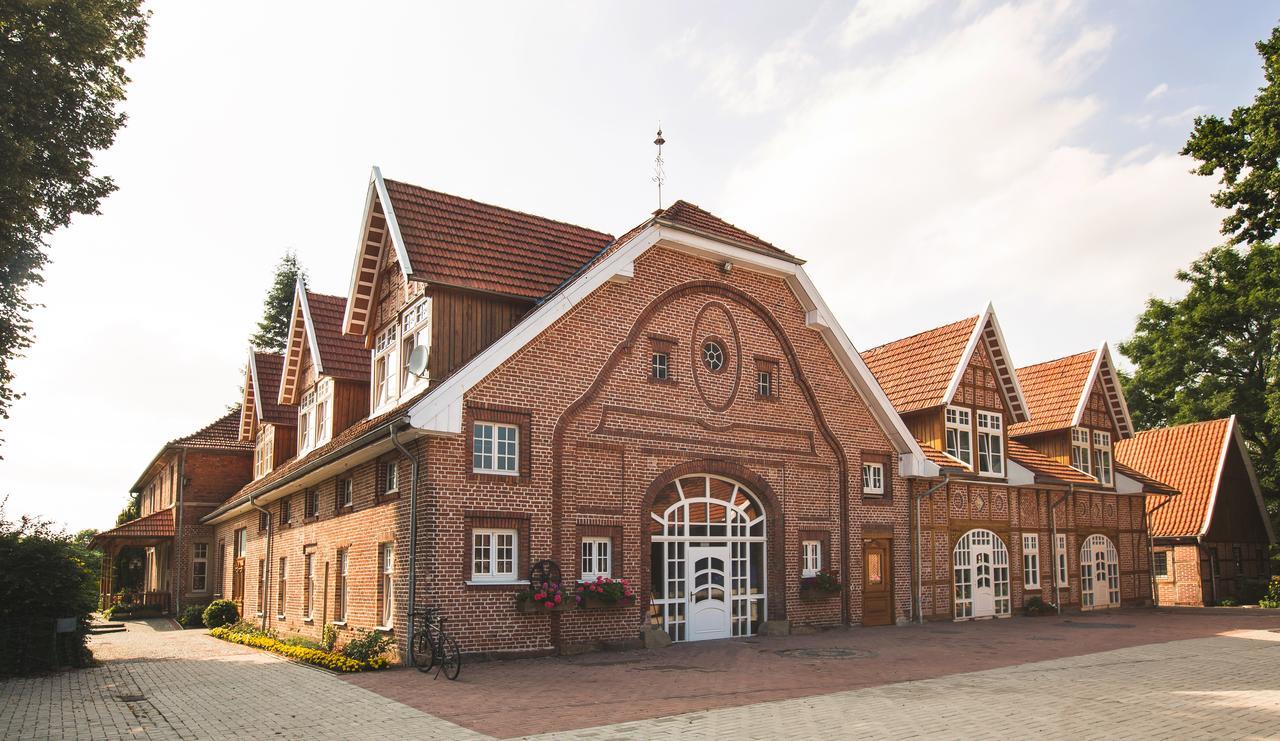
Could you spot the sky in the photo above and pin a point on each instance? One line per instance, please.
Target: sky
(924, 157)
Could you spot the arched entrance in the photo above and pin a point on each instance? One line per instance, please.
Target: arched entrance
(1099, 573)
(707, 558)
(981, 570)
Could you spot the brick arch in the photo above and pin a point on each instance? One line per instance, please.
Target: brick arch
(775, 542)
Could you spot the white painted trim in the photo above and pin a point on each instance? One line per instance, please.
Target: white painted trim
(1018, 475)
(1217, 476)
(988, 316)
(253, 376)
(441, 411)
(389, 213)
(1253, 479)
(310, 327)
(1083, 401)
(355, 267)
(1103, 363)
(965, 357)
(1125, 484)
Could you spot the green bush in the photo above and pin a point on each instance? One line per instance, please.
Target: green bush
(1227, 602)
(1273, 595)
(329, 639)
(192, 616)
(367, 646)
(220, 612)
(303, 642)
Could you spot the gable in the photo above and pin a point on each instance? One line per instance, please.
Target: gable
(261, 393)
(1059, 392)
(1238, 512)
(1188, 458)
(316, 342)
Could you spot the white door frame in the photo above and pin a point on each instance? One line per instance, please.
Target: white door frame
(1099, 573)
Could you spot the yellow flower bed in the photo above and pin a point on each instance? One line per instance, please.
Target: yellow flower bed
(329, 660)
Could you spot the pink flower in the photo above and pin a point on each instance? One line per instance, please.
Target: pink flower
(557, 599)
(550, 605)
(540, 595)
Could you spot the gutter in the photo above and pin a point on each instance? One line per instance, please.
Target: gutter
(413, 532)
(266, 567)
(946, 476)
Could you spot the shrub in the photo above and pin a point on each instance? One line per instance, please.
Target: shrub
(220, 612)
(366, 646)
(303, 642)
(192, 616)
(1227, 602)
(329, 637)
(1273, 595)
(327, 659)
(1034, 605)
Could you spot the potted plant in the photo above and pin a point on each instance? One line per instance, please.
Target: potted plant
(542, 597)
(823, 584)
(605, 592)
(1036, 607)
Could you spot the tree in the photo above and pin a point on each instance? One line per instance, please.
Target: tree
(1214, 353)
(1245, 149)
(132, 510)
(61, 77)
(273, 330)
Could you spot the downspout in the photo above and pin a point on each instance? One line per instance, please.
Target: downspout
(1053, 527)
(177, 535)
(413, 531)
(1151, 548)
(946, 476)
(266, 567)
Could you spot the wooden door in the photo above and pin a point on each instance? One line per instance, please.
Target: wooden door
(877, 582)
(237, 585)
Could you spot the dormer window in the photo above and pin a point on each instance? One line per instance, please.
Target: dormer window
(959, 431)
(313, 416)
(1080, 450)
(384, 367)
(264, 453)
(1102, 456)
(415, 324)
(990, 444)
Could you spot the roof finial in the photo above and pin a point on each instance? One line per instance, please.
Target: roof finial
(659, 174)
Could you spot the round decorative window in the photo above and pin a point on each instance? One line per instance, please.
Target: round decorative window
(713, 356)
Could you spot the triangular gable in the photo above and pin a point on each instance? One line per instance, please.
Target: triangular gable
(261, 394)
(987, 331)
(302, 337)
(379, 226)
(440, 411)
(1058, 391)
(1103, 372)
(1235, 436)
(248, 406)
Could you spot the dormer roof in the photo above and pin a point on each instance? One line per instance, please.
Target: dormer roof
(262, 392)
(925, 369)
(1058, 392)
(221, 435)
(315, 327)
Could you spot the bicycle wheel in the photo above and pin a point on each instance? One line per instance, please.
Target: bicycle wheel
(422, 650)
(451, 661)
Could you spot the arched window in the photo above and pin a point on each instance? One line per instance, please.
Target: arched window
(1099, 573)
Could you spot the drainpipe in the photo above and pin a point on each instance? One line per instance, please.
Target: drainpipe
(177, 535)
(1151, 548)
(266, 566)
(1053, 526)
(946, 476)
(413, 531)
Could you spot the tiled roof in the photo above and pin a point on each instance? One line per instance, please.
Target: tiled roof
(342, 355)
(460, 242)
(690, 216)
(1053, 390)
(155, 525)
(269, 367)
(1046, 468)
(939, 458)
(1185, 457)
(222, 434)
(915, 371)
(1149, 485)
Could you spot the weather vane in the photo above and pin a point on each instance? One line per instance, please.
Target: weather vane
(659, 174)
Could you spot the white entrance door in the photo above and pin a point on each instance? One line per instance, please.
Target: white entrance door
(709, 613)
(984, 595)
(981, 569)
(1099, 573)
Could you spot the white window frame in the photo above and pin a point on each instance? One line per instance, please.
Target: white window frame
(391, 478)
(202, 561)
(385, 367)
(346, 493)
(344, 593)
(1080, 450)
(596, 557)
(764, 384)
(488, 454)
(1102, 463)
(958, 420)
(810, 558)
(1031, 561)
(1061, 573)
(282, 602)
(264, 455)
(660, 365)
(308, 586)
(415, 329)
(387, 570)
(990, 444)
(241, 536)
(485, 549)
(872, 478)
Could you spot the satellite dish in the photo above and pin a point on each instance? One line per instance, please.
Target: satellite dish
(418, 360)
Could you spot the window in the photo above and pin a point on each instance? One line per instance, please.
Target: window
(340, 596)
(282, 587)
(306, 412)
(386, 594)
(713, 356)
(264, 454)
(660, 366)
(494, 448)
(384, 365)
(810, 557)
(391, 479)
(764, 383)
(990, 444)
(308, 586)
(958, 441)
(1080, 449)
(286, 511)
(262, 586)
(493, 555)
(241, 542)
(313, 416)
(1102, 456)
(1030, 561)
(264, 522)
(597, 557)
(872, 478)
(1062, 560)
(311, 504)
(345, 493)
(199, 567)
(1160, 563)
(415, 325)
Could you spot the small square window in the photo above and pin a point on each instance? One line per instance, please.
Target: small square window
(493, 555)
(597, 557)
(873, 478)
(495, 448)
(660, 366)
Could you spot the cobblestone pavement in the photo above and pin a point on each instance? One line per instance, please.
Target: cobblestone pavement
(159, 682)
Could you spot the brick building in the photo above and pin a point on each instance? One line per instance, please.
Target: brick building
(1212, 540)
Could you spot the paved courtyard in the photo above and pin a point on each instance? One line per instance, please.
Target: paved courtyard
(1130, 673)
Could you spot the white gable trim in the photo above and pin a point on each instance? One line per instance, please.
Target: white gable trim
(377, 189)
(310, 327)
(1103, 364)
(1217, 476)
(441, 410)
(1233, 434)
(257, 391)
(393, 226)
(1005, 372)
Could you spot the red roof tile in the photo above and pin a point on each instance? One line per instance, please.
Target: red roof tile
(941, 459)
(269, 367)
(1185, 457)
(221, 434)
(693, 218)
(915, 371)
(1149, 485)
(460, 242)
(342, 355)
(155, 525)
(1046, 469)
(1053, 390)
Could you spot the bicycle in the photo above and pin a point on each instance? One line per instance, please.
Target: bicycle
(431, 647)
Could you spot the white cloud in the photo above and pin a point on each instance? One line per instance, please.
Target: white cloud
(1157, 91)
(874, 17)
(769, 82)
(1183, 116)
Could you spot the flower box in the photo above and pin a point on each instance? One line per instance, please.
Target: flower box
(592, 601)
(605, 592)
(529, 607)
(815, 594)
